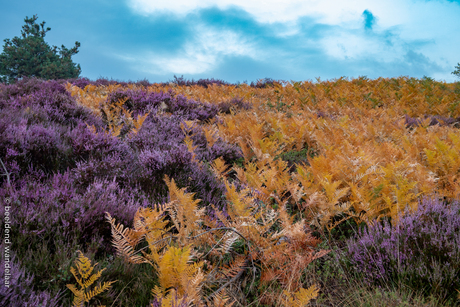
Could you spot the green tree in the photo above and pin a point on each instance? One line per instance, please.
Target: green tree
(457, 71)
(31, 56)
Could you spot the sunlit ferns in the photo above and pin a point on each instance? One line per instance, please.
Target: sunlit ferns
(342, 121)
(193, 235)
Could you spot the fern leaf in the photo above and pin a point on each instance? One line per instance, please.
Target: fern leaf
(92, 279)
(84, 265)
(302, 297)
(98, 290)
(221, 299)
(125, 240)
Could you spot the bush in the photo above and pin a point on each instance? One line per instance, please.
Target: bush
(421, 251)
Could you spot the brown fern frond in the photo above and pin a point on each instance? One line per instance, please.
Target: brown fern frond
(222, 299)
(236, 267)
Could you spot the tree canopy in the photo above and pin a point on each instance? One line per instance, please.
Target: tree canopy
(31, 56)
(457, 71)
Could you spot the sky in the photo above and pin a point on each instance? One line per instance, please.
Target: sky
(245, 41)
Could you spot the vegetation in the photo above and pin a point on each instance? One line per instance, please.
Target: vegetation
(336, 193)
(31, 56)
(457, 70)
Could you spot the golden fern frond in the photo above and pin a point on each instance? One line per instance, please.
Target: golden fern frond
(157, 292)
(98, 290)
(219, 168)
(302, 297)
(80, 294)
(175, 271)
(115, 130)
(79, 300)
(74, 273)
(139, 122)
(210, 135)
(184, 211)
(125, 240)
(127, 113)
(92, 279)
(84, 265)
(85, 268)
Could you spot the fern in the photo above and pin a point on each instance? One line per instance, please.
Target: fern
(301, 298)
(86, 280)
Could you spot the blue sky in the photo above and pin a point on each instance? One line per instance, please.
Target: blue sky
(244, 40)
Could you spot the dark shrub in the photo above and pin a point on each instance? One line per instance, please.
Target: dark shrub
(236, 103)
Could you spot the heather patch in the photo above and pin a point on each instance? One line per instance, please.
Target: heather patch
(422, 250)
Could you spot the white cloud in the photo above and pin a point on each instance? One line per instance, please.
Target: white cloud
(200, 54)
(269, 11)
(427, 26)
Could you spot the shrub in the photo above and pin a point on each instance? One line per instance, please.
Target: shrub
(421, 251)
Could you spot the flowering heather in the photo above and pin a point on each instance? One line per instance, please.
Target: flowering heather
(434, 120)
(20, 291)
(422, 251)
(85, 144)
(58, 209)
(35, 116)
(44, 101)
(140, 102)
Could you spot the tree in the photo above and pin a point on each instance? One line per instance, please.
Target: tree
(31, 56)
(457, 71)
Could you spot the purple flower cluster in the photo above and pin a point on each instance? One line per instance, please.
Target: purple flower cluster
(35, 119)
(83, 82)
(58, 208)
(140, 102)
(434, 120)
(422, 250)
(20, 290)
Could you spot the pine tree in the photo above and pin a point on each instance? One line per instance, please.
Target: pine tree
(31, 56)
(457, 71)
